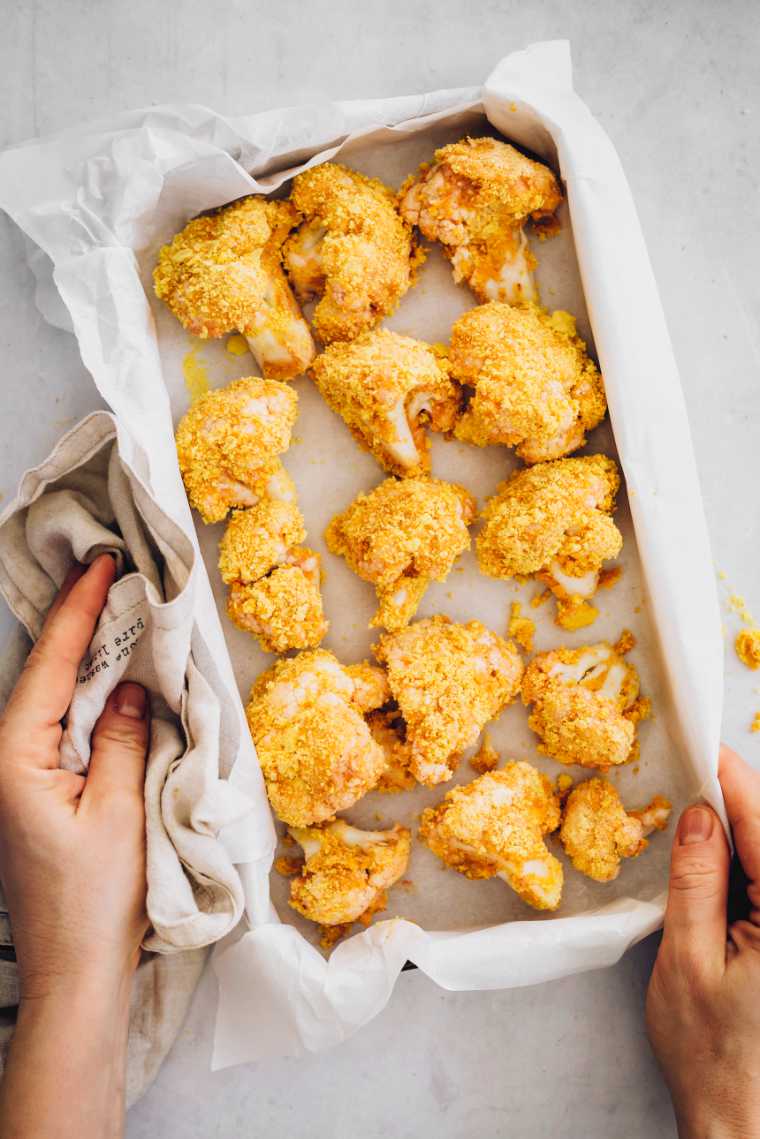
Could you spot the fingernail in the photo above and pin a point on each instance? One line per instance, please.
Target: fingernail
(695, 826)
(130, 701)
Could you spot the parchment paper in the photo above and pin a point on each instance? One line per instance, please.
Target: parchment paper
(99, 202)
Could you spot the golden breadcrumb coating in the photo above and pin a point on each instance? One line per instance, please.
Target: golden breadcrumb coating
(316, 751)
(585, 704)
(401, 536)
(496, 826)
(284, 608)
(347, 870)
(223, 273)
(554, 521)
(748, 647)
(521, 629)
(448, 680)
(371, 688)
(258, 539)
(387, 729)
(228, 443)
(388, 388)
(534, 386)
(597, 832)
(475, 198)
(353, 250)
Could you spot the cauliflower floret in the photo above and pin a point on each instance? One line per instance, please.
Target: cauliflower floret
(388, 730)
(585, 704)
(258, 539)
(388, 388)
(283, 609)
(554, 521)
(597, 832)
(353, 250)
(223, 273)
(448, 680)
(347, 871)
(475, 198)
(534, 386)
(495, 826)
(316, 751)
(228, 443)
(401, 536)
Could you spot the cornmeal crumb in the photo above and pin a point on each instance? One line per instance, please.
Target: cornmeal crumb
(747, 646)
(755, 725)
(521, 628)
(288, 867)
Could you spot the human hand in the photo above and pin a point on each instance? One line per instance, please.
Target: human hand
(72, 847)
(703, 1004)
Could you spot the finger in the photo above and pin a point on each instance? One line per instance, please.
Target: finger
(45, 687)
(741, 791)
(695, 918)
(119, 744)
(76, 572)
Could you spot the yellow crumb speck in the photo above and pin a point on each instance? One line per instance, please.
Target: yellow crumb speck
(288, 867)
(739, 606)
(563, 783)
(755, 725)
(196, 376)
(540, 598)
(237, 345)
(721, 575)
(522, 629)
(747, 646)
(576, 615)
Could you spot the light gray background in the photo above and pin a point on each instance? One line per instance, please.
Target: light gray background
(676, 85)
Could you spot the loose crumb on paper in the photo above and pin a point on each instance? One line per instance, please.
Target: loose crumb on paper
(610, 577)
(747, 647)
(522, 629)
(755, 725)
(288, 867)
(237, 345)
(196, 376)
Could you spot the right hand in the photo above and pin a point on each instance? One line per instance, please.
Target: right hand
(703, 1004)
(72, 847)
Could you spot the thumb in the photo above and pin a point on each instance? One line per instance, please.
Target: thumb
(695, 919)
(119, 744)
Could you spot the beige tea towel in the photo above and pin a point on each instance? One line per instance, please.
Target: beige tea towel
(82, 501)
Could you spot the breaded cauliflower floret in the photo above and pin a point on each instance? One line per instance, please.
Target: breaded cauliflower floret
(347, 871)
(258, 539)
(554, 521)
(353, 250)
(284, 608)
(585, 704)
(496, 826)
(448, 680)
(316, 751)
(597, 832)
(401, 536)
(534, 386)
(223, 273)
(475, 198)
(388, 730)
(228, 443)
(388, 389)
